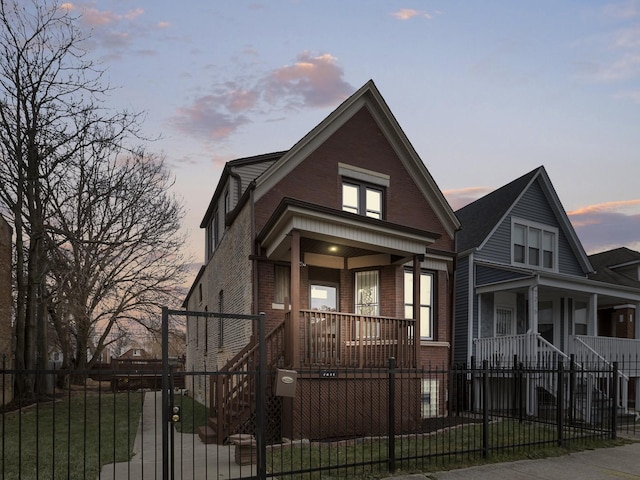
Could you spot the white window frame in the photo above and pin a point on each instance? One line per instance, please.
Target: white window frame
(430, 396)
(531, 227)
(426, 304)
(512, 323)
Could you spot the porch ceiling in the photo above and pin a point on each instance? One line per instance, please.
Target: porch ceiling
(561, 285)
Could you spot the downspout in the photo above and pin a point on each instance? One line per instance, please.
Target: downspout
(254, 250)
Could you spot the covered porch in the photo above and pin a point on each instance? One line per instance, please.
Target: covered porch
(348, 283)
(547, 316)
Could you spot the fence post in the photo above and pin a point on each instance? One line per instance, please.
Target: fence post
(572, 387)
(514, 396)
(165, 394)
(560, 405)
(391, 417)
(472, 393)
(485, 409)
(614, 405)
(261, 438)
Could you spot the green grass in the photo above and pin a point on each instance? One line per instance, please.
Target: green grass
(442, 451)
(193, 414)
(71, 438)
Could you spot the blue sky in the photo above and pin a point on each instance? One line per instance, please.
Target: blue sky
(485, 91)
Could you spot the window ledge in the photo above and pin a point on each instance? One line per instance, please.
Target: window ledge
(430, 343)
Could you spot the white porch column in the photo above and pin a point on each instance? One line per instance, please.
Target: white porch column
(533, 308)
(592, 320)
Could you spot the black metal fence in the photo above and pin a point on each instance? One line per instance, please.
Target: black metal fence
(107, 423)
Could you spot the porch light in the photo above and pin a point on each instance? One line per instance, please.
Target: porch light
(333, 248)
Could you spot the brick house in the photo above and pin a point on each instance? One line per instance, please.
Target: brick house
(6, 330)
(333, 240)
(620, 266)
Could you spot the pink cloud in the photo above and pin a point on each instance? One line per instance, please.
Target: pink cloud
(204, 118)
(607, 225)
(461, 197)
(312, 81)
(409, 13)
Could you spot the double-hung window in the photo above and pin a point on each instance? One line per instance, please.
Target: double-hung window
(534, 245)
(361, 198)
(426, 301)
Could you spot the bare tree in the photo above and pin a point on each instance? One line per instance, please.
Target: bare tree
(51, 112)
(116, 247)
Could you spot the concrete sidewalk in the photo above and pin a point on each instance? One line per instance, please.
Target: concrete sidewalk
(193, 459)
(599, 464)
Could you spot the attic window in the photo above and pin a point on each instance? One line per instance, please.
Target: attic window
(362, 199)
(363, 190)
(534, 245)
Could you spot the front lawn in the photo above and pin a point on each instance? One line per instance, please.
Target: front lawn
(71, 438)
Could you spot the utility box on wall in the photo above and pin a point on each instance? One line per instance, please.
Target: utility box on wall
(286, 381)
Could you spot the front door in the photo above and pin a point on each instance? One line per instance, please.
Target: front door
(323, 328)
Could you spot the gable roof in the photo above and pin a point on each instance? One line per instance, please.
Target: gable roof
(368, 97)
(607, 263)
(482, 217)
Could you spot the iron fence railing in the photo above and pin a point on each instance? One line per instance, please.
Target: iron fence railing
(338, 422)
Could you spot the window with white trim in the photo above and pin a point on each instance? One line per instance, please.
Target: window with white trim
(534, 245)
(426, 301)
(505, 321)
(430, 398)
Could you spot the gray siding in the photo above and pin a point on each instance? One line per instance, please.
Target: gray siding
(486, 275)
(250, 172)
(461, 326)
(535, 207)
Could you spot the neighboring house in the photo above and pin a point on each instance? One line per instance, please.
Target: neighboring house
(523, 284)
(6, 328)
(620, 266)
(332, 240)
(134, 354)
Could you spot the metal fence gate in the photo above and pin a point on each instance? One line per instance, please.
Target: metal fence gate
(171, 411)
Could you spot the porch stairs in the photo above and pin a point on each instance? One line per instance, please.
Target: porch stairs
(233, 390)
(590, 399)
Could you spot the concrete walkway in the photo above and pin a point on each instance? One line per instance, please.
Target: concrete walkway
(599, 464)
(193, 459)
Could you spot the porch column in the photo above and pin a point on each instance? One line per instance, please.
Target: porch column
(294, 331)
(531, 350)
(592, 320)
(416, 307)
(533, 309)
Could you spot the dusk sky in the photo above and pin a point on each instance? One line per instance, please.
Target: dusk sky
(485, 91)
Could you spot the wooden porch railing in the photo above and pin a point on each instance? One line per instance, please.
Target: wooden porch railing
(334, 339)
(233, 389)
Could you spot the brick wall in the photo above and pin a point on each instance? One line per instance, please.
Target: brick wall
(6, 331)
(360, 143)
(228, 271)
